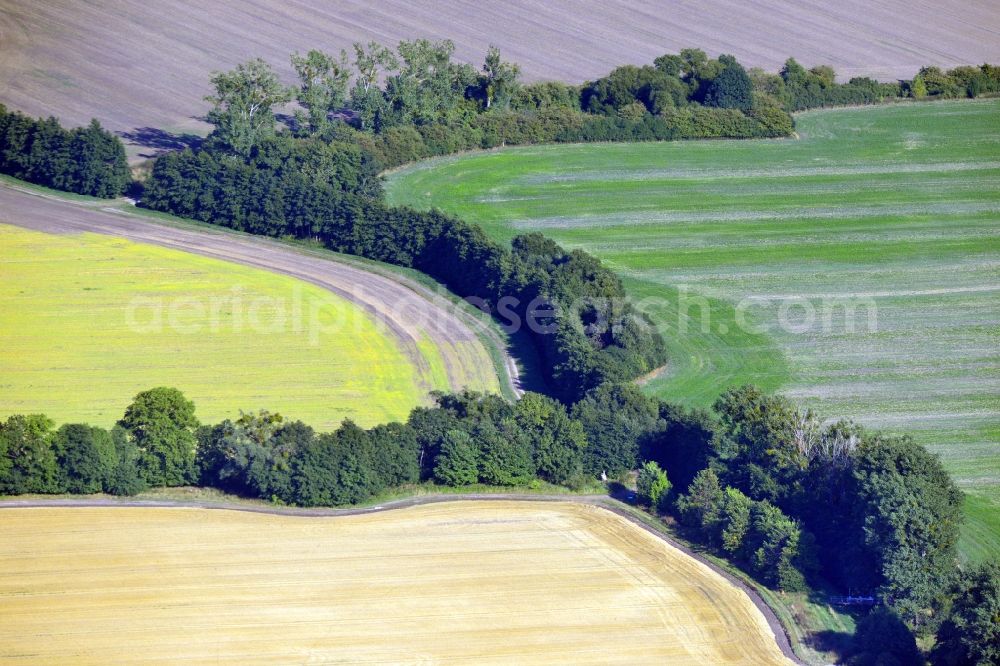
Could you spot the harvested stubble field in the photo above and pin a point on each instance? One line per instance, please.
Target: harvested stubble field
(136, 64)
(87, 320)
(462, 582)
(897, 206)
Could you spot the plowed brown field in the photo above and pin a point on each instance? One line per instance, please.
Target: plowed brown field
(134, 63)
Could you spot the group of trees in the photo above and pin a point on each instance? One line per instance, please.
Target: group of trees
(463, 439)
(466, 438)
(795, 502)
(870, 512)
(587, 332)
(152, 445)
(757, 480)
(690, 79)
(795, 88)
(86, 160)
(959, 82)
(415, 101)
(754, 533)
(671, 82)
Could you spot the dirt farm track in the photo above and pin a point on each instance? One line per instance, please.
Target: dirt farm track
(136, 64)
(453, 582)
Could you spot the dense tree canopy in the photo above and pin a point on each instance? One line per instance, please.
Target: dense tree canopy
(29, 463)
(83, 457)
(162, 424)
(909, 511)
(732, 88)
(86, 160)
(616, 419)
(971, 634)
(757, 534)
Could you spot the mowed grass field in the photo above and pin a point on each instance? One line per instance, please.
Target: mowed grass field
(889, 210)
(87, 321)
(459, 582)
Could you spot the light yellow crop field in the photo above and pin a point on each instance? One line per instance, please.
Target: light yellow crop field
(459, 582)
(87, 321)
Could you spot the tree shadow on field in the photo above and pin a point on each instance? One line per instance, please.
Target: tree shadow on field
(160, 140)
(621, 492)
(828, 641)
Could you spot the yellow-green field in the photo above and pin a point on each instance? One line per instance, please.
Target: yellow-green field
(459, 582)
(87, 321)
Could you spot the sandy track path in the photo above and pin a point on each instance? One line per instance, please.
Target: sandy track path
(451, 580)
(410, 313)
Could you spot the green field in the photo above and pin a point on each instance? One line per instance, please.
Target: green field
(88, 321)
(749, 253)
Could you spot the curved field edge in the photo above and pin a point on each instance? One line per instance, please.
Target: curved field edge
(631, 543)
(899, 204)
(468, 348)
(91, 320)
(509, 356)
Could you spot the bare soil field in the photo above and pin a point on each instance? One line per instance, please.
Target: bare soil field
(137, 65)
(462, 582)
(415, 319)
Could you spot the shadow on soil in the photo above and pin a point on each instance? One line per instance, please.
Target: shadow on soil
(159, 140)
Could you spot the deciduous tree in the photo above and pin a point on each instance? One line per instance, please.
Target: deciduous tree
(971, 634)
(498, 81)
(30, 465)
(162, 424)
(323, 82)
(85, 458)
(652, 486)
(243, 104)
(371, 61)
(909, 511)
(458, 461)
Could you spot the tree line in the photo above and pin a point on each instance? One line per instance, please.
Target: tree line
(584, 329)
(800, 505)
(463, 439)
(796, 89)
(755, 479)
(793, 502)
(415, 101)
(85, 160)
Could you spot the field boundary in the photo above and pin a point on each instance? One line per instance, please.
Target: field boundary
(620, 509)
(504, 364)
